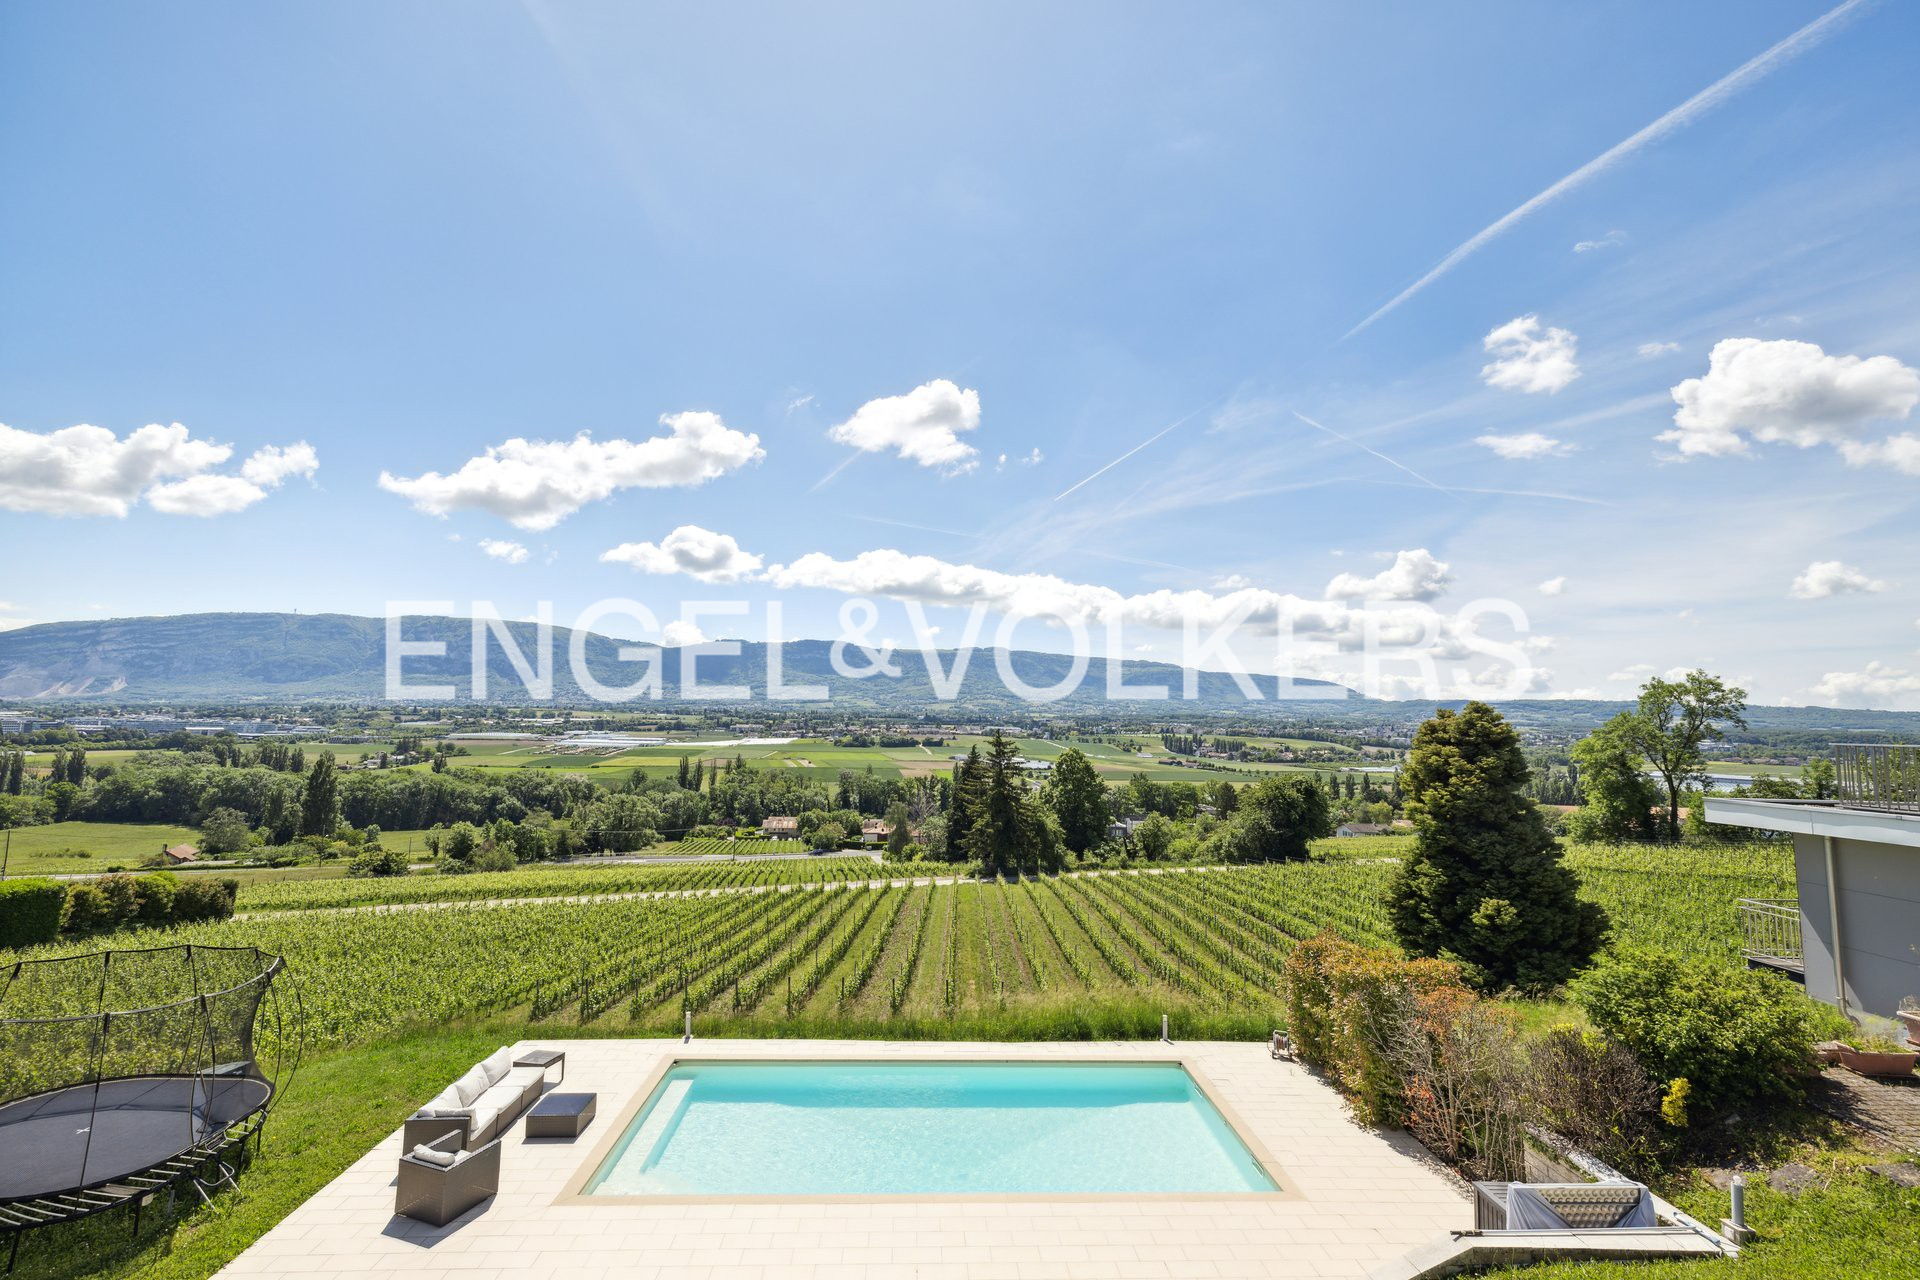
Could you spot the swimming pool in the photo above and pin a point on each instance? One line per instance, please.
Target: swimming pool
(927, 1128)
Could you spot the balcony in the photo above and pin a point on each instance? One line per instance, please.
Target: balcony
(1883, 776)
(1770, 935)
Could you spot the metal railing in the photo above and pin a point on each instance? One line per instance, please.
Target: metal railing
(1770, 932)
(1878, 775)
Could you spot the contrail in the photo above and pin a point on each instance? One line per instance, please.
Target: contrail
(1129, 453)
(814, 487)
(1320, 426)
(1678, 118)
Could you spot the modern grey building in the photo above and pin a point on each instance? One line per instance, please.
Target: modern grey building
(1854, 932)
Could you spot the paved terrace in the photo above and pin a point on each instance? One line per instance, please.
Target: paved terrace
(1359, 1198)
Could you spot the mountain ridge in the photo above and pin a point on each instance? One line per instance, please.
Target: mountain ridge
(268, 659)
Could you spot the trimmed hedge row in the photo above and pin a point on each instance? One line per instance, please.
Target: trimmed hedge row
(37, 911)
(30, 911)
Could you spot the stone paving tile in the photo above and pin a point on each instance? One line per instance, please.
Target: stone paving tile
(1362, 1197)
(1887, 1109)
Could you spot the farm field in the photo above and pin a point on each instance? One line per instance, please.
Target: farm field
(823, 759)
(1066, 957)
(80, 848)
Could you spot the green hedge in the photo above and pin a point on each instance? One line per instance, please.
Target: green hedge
(30, 911)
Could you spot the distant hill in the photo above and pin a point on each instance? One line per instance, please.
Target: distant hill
(229, 659)
(287, 657)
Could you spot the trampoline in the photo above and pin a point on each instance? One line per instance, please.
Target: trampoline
(124, 1074)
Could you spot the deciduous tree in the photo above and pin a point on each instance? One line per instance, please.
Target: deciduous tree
(1078, 799)
(1674, 721)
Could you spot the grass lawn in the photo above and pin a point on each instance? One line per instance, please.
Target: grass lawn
(80, 848)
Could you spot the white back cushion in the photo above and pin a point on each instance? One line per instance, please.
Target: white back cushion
(471, 1085)
(497, 1064)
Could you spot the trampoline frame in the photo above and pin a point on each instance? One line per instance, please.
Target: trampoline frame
(202, 1161)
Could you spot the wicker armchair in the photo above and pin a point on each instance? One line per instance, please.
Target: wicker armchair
(436, 1194)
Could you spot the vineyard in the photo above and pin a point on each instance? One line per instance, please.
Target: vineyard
(1070, 956)
(745, 847)
(558, 882)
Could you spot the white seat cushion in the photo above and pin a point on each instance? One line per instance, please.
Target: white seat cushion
(501, 1097)
(522, 1077)
(484, 1119)
(471, 1086)
(497, 1064)
(445, 1100)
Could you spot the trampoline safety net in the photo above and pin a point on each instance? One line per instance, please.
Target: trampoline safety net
(116, 1062)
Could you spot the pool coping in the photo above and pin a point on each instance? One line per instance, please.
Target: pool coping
(574, 1192)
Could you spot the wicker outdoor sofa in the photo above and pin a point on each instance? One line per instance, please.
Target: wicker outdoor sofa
(480, 1106)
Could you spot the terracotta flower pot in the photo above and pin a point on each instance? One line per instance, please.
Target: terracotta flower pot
(1867, 1063)
(1829, 1051)
(1911, 1018)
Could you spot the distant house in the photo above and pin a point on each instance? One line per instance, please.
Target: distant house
(874, 831)
(176, 854)
(780, 826)
(1122, 828)
(1363, 829)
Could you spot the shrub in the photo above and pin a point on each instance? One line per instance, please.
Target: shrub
(156, 891)
(203, 900)
(121, 894)
(30, 911)
(1738, 1037)
(1409, 1045)
(1341, 999)
(494, 857)
(1593, 1092)
(378, 862)
(86, 910)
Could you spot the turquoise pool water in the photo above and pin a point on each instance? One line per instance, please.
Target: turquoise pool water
(926, 1128)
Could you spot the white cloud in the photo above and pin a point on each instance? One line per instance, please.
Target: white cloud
(1641, 672)
(209, 495)
(1032, 458)
(1413, 575)
(699, 553)
(679, 633)
(535, 484)
(1606, 241)
(271, 466)
(922, 426)
(1825, 578)
(1553, 586)
(1233, 582)
(499, 549)
(1789, 392)
(88, 471)
(1879, 683)
(1647, 350)
(1527, 444)
(1528, 359)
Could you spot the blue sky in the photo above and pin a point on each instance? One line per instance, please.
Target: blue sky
(892, 246)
